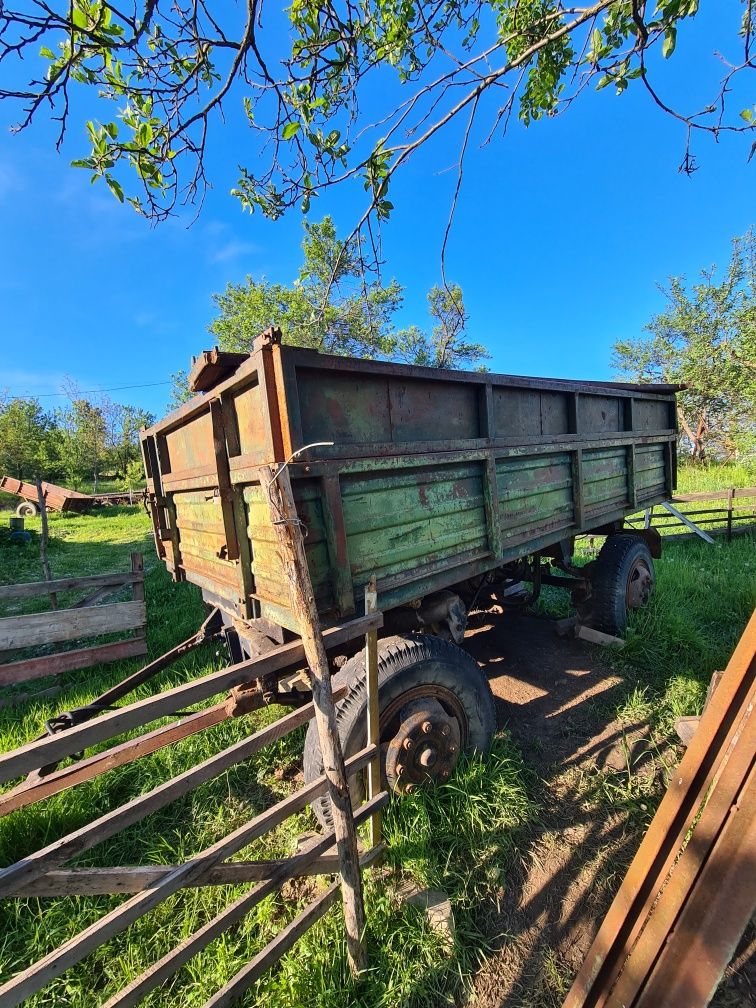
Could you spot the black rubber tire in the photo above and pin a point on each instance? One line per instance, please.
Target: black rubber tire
(404, 663)
(27, 509)
(607, 609)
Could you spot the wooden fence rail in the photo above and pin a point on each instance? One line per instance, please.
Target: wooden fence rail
(736, 517)
(42, 873)
(83, 619)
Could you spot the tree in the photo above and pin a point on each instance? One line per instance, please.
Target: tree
(706, 339)
(444, 346)
(331, 305)
(319, 93)
(83, 441)
(27, 440)
(28, 449)
(124, 435)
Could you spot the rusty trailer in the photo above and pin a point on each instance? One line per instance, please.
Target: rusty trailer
(454, 488)
(57, 498)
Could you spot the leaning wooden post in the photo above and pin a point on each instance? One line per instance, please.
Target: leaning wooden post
(43, 539)
(289, 534)
(373, 718)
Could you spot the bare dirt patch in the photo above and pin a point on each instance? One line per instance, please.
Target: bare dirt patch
(557, 697)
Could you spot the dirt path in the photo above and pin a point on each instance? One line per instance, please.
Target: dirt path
(557, 698)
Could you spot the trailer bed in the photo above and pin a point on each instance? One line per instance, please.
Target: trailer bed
(57, 498)
(427, 478)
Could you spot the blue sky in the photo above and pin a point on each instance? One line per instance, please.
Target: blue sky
(562, 233)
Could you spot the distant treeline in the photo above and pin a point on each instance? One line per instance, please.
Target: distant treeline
(74, 445)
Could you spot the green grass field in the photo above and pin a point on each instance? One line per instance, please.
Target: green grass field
(462, 838)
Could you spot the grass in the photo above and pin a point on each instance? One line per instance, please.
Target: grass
(464, 837)
(703, 599)
(460, 838)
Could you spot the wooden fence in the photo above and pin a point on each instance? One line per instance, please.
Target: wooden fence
(83, 619)
(43, 872)
(738, 514)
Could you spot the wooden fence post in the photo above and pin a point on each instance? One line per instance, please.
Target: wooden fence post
(294, 561)
(137, 589)
(43, 537)
(373, 717)
(730, 495)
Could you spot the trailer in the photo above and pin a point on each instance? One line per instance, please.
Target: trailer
(451, 489)
(58, 498)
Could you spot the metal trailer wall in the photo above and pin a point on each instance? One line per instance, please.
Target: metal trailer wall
(432, 477)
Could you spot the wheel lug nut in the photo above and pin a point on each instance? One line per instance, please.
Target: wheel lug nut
(409, 788)
(445, 729)
(408, 744)
(452, 749)
(399, 769)
(427, 727)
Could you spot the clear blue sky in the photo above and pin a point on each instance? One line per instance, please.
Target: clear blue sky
(562, 232)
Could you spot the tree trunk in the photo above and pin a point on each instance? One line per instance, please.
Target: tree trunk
(288, 531)
(43, 541)
(697, 450)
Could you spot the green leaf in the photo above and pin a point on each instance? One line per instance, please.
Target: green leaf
(670, 39)
(47, 53)
(747, 115)
(115, 188)
(290, 130)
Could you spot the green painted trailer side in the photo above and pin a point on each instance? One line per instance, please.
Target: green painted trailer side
(428, 477)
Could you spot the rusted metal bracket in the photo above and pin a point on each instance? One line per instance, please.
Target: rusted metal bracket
(244, 699)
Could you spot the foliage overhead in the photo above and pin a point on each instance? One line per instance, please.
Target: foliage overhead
(330, 91)
(706, 339)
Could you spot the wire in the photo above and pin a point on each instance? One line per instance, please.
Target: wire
(292, 521)
(94, 391)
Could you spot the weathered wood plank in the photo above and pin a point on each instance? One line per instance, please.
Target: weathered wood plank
(267, 957)
(165, 967)
(52, 749)
(68, 661)
(57, 853)
(33, 588)
(100, 763)
(287, 527)
(130, 879)
(69, 624)
(38, 975)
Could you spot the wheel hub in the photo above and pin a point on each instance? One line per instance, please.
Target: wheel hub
(639, 585)
(425, 748)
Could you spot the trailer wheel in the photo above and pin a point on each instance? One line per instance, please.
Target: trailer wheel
(27, 509)
(434, 701)
(622, 579)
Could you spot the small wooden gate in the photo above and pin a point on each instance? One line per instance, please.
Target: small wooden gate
(84, 618)
(43, 873)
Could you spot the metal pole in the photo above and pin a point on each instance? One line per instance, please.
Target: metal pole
(373, 717)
